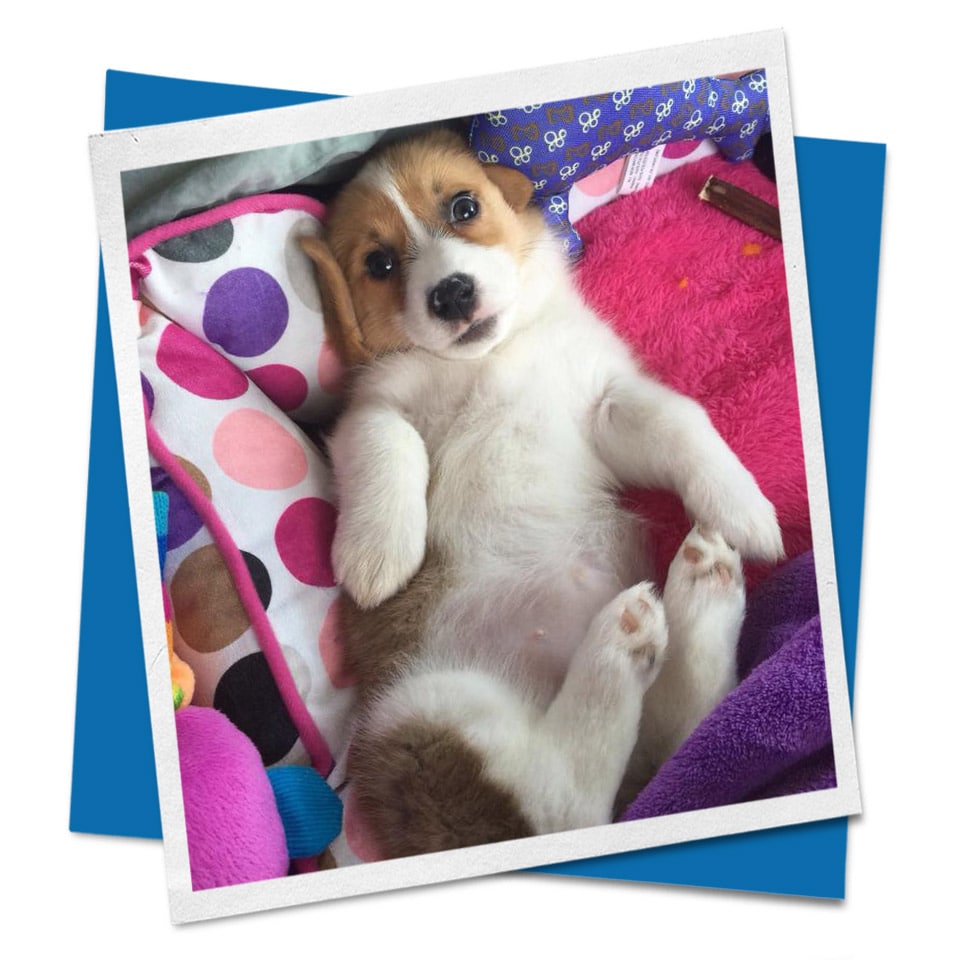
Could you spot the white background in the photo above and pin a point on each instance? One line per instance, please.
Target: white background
(855, 76)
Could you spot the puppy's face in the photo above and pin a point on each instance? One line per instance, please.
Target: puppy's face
(430, 245)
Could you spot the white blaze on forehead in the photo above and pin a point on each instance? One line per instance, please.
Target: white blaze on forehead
(437, 254)
(379, 176)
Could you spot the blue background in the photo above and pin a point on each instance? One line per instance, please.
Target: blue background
(114, 780)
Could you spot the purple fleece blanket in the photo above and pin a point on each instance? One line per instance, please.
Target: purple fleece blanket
(771, 736)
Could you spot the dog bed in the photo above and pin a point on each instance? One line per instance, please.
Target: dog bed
(234, 363)
(250, 496)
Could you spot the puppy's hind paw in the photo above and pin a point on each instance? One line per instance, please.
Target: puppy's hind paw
(633, 625)
(705, 584)
(705, 555)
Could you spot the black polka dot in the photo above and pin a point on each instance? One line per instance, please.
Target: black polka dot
(248, 695)
(260, 577)
(198, 246)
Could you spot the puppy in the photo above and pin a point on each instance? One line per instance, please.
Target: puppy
(497, 609)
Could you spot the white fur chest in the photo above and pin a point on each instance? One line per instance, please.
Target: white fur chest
(518, 502)
(508, 440)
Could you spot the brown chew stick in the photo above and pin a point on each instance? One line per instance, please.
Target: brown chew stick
(744, 206)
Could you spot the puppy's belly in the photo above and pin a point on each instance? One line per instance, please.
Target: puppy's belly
(522, 624)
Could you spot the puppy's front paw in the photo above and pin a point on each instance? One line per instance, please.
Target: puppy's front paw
(372, 563)
(753, 529)
(741, 514)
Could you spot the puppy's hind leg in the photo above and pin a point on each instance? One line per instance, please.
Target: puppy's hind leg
(704, 603)
(591, 726)
(650, 436)
(438, 762)
(451, 758)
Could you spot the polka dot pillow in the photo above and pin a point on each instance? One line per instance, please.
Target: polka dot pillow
(236, 278)
(231, 350)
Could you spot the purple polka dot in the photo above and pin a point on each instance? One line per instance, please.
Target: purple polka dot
(285, 386)
(245, 312)
(147, 395)
(194, 365)
(183, 521)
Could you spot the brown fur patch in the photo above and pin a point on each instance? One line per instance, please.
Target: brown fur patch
(516, 188)
(380, 641)
(339, 319)
(363, 220)
(421, 788)
(429, 171)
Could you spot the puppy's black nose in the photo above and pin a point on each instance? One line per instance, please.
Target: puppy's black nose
(453, 298)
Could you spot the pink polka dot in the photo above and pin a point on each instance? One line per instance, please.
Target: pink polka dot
(329, 369)
(285, 386)
(252, 448)
(331, 648)
(603, 181)
(144, 313)
(192, 364)
(357, 834)
(673, 151)
(303, 535)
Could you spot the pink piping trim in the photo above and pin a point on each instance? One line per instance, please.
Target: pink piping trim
(310, 736)
(260, 203)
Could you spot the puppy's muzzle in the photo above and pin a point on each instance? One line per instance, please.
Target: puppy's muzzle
(453, 298)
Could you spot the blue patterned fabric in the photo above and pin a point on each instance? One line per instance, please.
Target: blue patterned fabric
(556, 144)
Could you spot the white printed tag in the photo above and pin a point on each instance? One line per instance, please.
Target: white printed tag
(640, 170)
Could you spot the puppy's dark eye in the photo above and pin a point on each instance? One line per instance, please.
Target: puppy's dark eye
(380, 264)
(463, 207)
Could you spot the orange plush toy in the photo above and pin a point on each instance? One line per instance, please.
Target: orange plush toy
(181, 676)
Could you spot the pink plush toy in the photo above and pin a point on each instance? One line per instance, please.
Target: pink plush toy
(234, 830)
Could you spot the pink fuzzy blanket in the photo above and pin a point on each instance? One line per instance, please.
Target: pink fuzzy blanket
(702, 300)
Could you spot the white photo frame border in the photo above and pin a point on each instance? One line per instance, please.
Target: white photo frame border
(113, 153)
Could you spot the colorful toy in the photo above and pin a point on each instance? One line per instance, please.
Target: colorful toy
(181, 676)
(234, 830)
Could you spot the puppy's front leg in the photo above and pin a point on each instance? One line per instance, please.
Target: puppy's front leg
(382, 470)
(650, 436)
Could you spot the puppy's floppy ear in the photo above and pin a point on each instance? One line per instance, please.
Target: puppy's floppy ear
(516, 188)
(339, 317)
